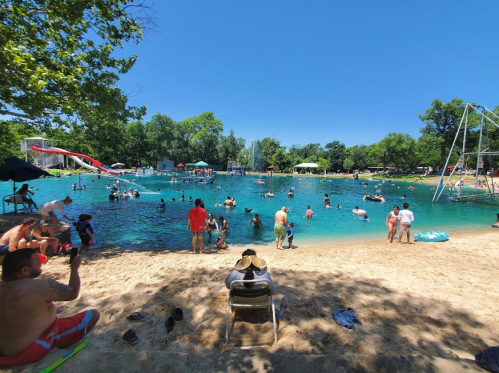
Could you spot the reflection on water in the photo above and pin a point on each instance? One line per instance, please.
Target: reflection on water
(136, 223)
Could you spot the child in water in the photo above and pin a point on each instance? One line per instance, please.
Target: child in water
(309, 213)
(366, 219)
(220, 242)
(85, 231)
(161, 205)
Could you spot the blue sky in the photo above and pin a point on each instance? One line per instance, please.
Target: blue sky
(315, 71)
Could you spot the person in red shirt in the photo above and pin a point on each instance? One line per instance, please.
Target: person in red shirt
(197, 222)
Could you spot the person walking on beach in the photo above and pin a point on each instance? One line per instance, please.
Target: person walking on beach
(392, 221)
(29, 326)
(281, 221)
(406, 218)
(47, 209)
(197, 222)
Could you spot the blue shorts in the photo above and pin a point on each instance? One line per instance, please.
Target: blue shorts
(4, 250)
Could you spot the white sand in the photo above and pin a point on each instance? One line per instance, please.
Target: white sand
(434, 304)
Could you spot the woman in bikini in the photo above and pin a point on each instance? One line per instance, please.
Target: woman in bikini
(212, 225)
(392, 222)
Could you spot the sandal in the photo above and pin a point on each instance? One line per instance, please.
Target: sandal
(135, 316)
(131, 337)
(170, 324)
(178, 314)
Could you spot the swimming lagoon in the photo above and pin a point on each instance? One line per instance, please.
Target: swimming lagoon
(137, 224)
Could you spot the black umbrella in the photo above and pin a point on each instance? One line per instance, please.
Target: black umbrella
(18, 170)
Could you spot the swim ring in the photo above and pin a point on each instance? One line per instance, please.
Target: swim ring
(431, 236)
(359, 212)
(374, 199)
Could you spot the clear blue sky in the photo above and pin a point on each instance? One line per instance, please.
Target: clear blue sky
(316, 71)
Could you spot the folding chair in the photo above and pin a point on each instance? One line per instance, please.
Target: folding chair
(259, 296)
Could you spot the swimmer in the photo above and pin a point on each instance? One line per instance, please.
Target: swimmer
(262, 196)
(403, 197)
(339, 207)
(270, 194)
(257, 222)
(365, 196)
(246, 210)
(217, 204)
(133, 180)
(159, 190)
(326, 198)
(73, 186)
(190, 200)
(182, 199)
(411, 187)
(433, 188)
(161, 205)
(173, 199)
(291, 193)
(212, 225)
(366, 219)
(328, 205)
(228, 202)
(309, 213)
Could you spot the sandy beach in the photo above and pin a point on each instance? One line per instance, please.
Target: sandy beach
(424, 307)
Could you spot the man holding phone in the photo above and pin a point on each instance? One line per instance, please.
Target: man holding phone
(29, 326)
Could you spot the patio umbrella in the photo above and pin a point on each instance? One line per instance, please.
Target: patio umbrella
(18, 170)
(180, 165)
(203, 164)
(117, 164)
(271, 167)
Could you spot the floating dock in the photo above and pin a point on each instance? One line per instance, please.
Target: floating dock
(198, 179)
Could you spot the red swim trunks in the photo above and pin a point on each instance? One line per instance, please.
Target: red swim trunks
(64, 331)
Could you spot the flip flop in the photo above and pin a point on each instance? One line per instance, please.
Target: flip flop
(170, 324)
(178, 314)
(135, 316)
(131, 337)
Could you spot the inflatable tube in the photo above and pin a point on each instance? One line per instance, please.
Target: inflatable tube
(359, 212)
(373, 199)
(431, 236)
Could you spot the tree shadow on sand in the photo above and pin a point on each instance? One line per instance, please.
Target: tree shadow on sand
(394, 323)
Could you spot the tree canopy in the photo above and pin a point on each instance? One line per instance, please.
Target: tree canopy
(58, 63)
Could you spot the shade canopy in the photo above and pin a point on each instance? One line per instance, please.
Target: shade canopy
(18, 170)
(180, 165)
(271, 167)
(117, 164)
(305, 165)
(203, 164)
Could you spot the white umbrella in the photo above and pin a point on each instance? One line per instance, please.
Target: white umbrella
(117, 164)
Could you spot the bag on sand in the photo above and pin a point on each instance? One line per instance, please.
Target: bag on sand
(488, 359)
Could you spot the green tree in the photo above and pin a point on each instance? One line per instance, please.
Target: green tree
(59, 58)
(267, 148)
(429, 148)
(229, 147)
(322, 165)
(442, 120)
(282, 160)
(335, 153)
(204, 131)
(348, 164)
(358, 154)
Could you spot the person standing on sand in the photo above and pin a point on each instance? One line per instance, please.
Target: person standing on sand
(406, 218)
(281, 222)
(47, 209)
(29, 326)
(391, 222)
(197, 222)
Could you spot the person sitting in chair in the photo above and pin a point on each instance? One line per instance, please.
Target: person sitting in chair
(250, 267)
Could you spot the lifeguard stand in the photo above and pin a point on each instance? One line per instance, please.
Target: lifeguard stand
(42, 160)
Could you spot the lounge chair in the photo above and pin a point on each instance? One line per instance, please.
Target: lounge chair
(259, 297)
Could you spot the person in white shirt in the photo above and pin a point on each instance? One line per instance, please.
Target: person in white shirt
(406, 218)
(47, 210)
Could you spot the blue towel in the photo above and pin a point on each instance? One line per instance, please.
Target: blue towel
(488, 359)
(346, 318)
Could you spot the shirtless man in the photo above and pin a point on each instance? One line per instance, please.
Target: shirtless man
(44, 234)
(270, 194)
(281, 222)
(29, 326)
(228, 202)
(18, 238)
(257, 221)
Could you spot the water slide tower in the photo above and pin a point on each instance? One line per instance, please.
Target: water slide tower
(42, 160)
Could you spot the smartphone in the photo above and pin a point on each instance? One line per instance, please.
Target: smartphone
(74, 253)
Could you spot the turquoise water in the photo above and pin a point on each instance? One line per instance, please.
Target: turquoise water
(136, 223)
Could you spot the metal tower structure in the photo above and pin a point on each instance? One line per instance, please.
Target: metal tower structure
(487, 118)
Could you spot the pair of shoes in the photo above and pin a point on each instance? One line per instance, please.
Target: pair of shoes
(131, 337)
(177, 315)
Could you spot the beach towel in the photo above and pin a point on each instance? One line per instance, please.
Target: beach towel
(488, 359)
(346, 318)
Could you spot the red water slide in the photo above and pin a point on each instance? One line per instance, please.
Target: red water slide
(94, 162)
